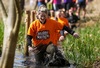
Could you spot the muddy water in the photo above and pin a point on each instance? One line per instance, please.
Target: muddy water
(19, 58)
(27, 62)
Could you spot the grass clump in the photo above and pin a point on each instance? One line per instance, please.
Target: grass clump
(86, 49)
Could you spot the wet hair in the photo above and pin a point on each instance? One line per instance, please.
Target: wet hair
(42, 8)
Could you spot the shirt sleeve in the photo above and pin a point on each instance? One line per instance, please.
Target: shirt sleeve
(58, 26)
(31, 30)
(69, 30)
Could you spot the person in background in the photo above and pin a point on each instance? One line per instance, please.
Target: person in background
(41, 2)
(72, 18)
(49, 5)
(81, 4)
(41, 34)
(52, 14)
(34, 4)
(67, 4)
(60, 17)
(74, 6)
(57, 4)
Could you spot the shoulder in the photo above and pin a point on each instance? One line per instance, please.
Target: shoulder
(35, 22)
(63, 19)
(51, 20)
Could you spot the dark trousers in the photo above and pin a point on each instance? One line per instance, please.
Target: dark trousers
(41, 51)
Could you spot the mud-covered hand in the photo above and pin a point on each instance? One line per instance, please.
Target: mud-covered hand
(30, 49)
(76, 35)
(61, 38)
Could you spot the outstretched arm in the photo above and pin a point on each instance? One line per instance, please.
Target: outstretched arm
(69, 30)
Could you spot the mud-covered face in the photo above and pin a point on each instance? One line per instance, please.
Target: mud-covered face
(42, 16)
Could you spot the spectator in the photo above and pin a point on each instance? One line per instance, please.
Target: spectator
(57, 4)
(81, 4)
(49, 5)
(67, 4)
(41, 2)
(72, 18)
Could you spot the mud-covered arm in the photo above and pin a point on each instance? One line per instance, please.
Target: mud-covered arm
(29, 42)
(69, 30)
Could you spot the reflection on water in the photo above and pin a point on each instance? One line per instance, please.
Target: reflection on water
(27, 62)
(18, 59)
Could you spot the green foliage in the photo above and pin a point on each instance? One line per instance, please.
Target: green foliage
(1, 32)
(21, 36)
(1, 35)
(86, 49)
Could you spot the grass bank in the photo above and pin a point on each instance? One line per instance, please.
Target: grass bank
(85, 50)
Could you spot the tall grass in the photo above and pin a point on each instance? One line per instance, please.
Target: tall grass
(86, 49)
(1, 32)
(21, 36)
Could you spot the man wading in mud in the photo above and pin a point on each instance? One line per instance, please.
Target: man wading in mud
(41, 34)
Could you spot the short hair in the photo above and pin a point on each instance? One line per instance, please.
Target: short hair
(42, 8)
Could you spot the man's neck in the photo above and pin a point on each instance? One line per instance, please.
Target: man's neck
(43, 22)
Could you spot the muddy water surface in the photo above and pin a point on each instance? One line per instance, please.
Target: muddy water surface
(27, 62)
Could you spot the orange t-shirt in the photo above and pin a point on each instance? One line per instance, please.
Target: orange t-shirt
(63, 21)
(44, 33)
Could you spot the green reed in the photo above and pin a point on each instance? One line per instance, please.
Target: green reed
(1, 33)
